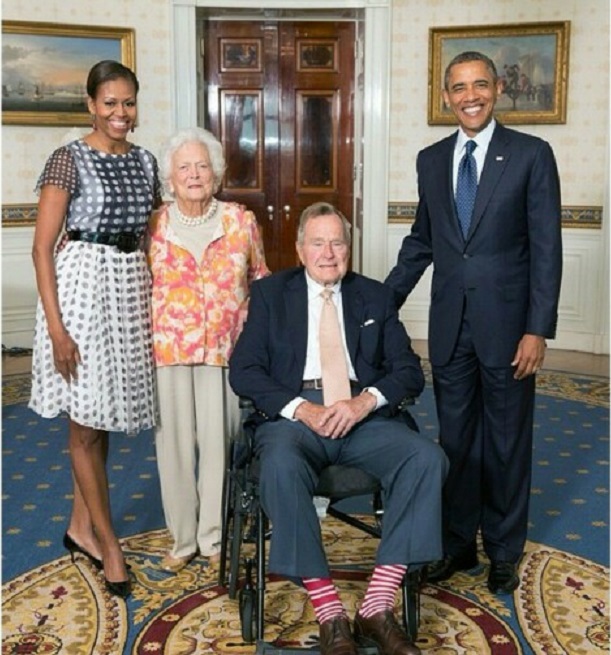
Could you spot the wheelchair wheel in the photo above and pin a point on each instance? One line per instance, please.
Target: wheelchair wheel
(246, 599)
(247, 605)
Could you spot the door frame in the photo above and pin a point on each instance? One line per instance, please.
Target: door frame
(372, 173)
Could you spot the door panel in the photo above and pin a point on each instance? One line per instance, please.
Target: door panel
(242, 128)
(279, 96)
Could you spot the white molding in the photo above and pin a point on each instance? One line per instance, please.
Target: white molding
(601, 336)
(19, 292)
(18, 327)
(376, 115)
(184, 59)
(17, 240)
(283, 4)
(579, 299)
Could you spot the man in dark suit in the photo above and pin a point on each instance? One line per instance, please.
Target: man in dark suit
(494, 300)
(277, 364)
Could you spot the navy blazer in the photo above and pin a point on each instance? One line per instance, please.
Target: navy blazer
(269, 358)
(509, 267)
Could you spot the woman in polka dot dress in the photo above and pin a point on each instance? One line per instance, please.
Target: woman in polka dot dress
(93, 346)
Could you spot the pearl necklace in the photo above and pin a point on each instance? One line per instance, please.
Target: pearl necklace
(194, 221)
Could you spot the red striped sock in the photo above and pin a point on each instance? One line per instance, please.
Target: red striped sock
(324, 598)
(382, 589)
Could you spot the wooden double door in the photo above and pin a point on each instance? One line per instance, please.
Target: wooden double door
(279, 95)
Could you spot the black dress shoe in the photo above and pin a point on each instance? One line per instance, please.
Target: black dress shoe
(122, 589)
(72, 547)
(503, 578)
(445, 568)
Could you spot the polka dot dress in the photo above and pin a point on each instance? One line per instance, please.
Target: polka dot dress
(104, 294)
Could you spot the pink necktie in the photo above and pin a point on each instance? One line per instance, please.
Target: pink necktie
(335, 381)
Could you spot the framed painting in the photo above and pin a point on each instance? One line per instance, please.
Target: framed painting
(531, 60)
(45, 67)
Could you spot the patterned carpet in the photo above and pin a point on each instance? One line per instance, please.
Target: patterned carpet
(53, 606)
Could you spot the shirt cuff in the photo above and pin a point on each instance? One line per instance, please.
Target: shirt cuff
(380, 398)
(288, 411)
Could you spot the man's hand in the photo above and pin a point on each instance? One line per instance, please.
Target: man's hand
(336, 421)
(529, 356)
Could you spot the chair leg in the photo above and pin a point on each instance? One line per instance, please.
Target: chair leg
(236, 544)
(410, 589)
(260, 558)
(226, 519)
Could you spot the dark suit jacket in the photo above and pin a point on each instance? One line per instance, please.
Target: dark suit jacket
(269, 358)
(510, 265)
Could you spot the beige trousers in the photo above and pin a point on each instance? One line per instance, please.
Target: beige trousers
(197, 410)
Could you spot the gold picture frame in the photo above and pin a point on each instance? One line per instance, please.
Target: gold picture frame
(531, 60)
(45, 67)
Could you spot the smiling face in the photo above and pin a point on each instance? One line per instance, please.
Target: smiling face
(324, 251)
(471, 94)
(114, 108)
(192, 177)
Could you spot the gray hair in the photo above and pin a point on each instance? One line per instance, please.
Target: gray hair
(192, 135)
(322, 209)
(463, 58)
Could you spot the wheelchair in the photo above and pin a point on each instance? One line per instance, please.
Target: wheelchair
(244, 522)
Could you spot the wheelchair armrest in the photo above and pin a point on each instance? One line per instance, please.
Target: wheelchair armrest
(242, 439)
(246, 404)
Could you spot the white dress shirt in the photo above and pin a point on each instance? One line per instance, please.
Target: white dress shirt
(483, 141)
(312, 369)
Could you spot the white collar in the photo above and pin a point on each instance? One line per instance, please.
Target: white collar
(481, 138)
(315, 289)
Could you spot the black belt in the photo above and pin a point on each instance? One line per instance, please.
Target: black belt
(123, 241)
(308, 385)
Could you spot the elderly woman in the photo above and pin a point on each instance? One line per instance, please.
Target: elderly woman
(203, 254)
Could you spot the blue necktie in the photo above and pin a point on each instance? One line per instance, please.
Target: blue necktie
(466, 187)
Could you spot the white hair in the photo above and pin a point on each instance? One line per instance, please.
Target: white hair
(192, 135)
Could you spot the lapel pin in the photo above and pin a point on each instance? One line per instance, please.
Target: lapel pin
(499, 157)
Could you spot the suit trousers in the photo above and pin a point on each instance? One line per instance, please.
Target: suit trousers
(195, 406)
(486, 426)
(411, 469)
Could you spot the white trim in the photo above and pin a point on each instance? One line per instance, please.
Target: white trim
(377, 20)
(376, 141)
(283, 4)
(601, 336)
(184, 58)
(18, 327)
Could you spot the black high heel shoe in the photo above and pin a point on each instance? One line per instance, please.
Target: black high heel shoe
(123, 589)
(71, 546)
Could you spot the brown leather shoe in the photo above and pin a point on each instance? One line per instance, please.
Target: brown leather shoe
(336, 638)
(382, 629)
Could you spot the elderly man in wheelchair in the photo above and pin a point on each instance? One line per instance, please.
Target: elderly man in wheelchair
(285, 362)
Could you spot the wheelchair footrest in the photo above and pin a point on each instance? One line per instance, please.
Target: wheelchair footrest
(264, 648)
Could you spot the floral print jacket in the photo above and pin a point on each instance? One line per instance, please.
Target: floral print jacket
(199, 307)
